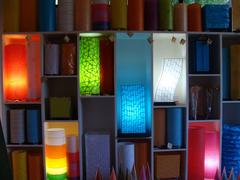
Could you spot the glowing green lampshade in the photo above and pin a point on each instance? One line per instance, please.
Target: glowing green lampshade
(89, 66)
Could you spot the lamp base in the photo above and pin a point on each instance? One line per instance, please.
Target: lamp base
(164, 103)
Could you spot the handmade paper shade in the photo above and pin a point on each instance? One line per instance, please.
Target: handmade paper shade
(151, 15)
(15, 72)
(65, 16)
(89, 66)
(73, 157)
(35, 166)
(100, 15)
(51, 59)
(180, 17)
(133, 115)
(235, 15)
(194, 17)
(68, 59)
(135, 15)
(10, 16)
(82, 15)
(159, 127)
(33, 126)
(175, 127)
(235, 72)
(97, 155)
(47, 15)
(226, 73)
(196, 153)
(202, 57)
(28, 16)
(165, 15)
(106, 67)
(118, 14)
(126, 157)
(211, 154)
(56, 161)
(171, 72)
(19, 164)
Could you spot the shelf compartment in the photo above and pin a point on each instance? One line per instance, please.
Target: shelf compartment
(231, 113)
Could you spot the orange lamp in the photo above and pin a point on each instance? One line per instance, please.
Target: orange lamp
(15, 72)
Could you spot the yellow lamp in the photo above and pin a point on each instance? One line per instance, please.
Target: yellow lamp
(56, 156)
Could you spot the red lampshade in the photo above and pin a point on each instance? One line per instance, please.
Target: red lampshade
(15, 72)
(211, 154)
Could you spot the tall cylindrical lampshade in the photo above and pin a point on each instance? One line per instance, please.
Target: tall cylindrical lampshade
(180, 17)
(15, 72)
(33, 70)
(17, 126)
(65, 15)
(126, 157)
(100, 15)
(89, 66)
(106, 67)
(175, 127)
(235, 72)
(194, 17)
(82, 15)
(10, 16)
(56, 161)
(19, 164)
(118, 14)
(51, 59)
(135, 15)
(235, 15)
(160, 127)
(165, 15)
(196, 153)
(73, 157)
(151, 14)
(28, 15)
(226, 73)
(47, 15)
(68, 59)
(33, 126)
(211, 154)
(35, 166)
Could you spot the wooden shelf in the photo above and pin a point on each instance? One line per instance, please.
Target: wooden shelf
(24, 145)
(204, 75)
(231, 101)
(204, 121)
(22, 102)
(97, 96)
(59, 76)
(176, 106)
(133, 138)
(59, 120)
(156, 150)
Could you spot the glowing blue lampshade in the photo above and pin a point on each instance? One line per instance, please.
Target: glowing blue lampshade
(133, 118)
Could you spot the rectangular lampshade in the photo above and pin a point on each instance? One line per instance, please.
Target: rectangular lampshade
(202, 58)
(133, 117)
(51, 59)
(235, 15)
(19, 164)
(68, 59)
(35, 165)
(89, 66)
(160, 127)
(33, 126)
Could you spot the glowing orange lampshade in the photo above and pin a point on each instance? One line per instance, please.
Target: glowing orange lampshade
(15, 72)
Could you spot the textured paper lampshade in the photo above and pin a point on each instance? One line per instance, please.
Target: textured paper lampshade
(47, 15)
(56, 161)
(100, 15)
(133, 115)
(167, 166)
(19, 164)
(51, 59)
(97, 155)
(89, 66)
(28, 16)
(82, 15)
(73, 157)
(33, 126)
(11, 16)
(126, 156)
(135, 15)
(151, 15)
(35, 166)
(33, 70)
(17, 126)
(60, 107)
(235, 71)
(65, 16)
(235, 15)
(106, 67)
(15, 72)
(118, 14)
(196, 153)
(165, 15)
(194, 17)
(202, 57)
(160, 127)
(68, 59)
(180, 17)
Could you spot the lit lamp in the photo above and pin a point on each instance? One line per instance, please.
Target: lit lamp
(15, 72)
(56, 161)
(89, 66)
(168, 80)
(133, 115)
(211, 154)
